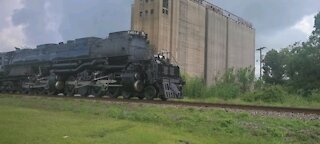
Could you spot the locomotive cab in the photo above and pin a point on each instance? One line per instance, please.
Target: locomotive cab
(138, 45)
(123, 46)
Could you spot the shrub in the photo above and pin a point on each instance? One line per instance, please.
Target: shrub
(315, 96)
(258, 84)
(194, 87)
(228, 86)
(223, 90)
(271, 94)
(245, 79)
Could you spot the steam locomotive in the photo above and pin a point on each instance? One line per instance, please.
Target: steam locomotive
(119, 65)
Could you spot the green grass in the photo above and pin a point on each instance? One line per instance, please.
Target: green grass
(292, 101)
(232, 90)
(269, 96)
(23, 125)
(50, 120)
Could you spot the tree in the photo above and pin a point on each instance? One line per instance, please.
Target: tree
(314, 39)
(298, 66)
(303, 67)
(273, 67)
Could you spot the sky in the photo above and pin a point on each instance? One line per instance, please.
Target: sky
(27, 23)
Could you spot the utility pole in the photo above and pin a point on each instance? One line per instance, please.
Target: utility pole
(260, 49)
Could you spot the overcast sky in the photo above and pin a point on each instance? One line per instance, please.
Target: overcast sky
(26, 23)
(278, 23)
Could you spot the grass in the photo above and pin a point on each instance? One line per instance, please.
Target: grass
(241, 88)
(271, 95)
(290, 101)
(23, 125)
(50, 120)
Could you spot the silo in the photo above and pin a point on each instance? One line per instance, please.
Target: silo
(203, 39)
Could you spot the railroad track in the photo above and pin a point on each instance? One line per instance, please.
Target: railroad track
(307, 111)
(221, 105)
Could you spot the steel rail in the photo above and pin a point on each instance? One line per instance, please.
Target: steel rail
(307, 111)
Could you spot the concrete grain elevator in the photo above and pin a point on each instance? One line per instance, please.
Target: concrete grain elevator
(203, 39)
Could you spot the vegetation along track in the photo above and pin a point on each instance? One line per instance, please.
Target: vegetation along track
(294, 110)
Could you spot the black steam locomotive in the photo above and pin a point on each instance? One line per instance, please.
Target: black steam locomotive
(120, 65)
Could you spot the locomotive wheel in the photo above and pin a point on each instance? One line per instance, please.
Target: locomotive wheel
(23, 91)
(43, 91)
(69, 90)
(31, 92)
(113, 92)
(164, 98)
(127, 94)
(36, 92)
(141, 96)
(150, 92)
(52, 93)
(96, 91)
(83, 91)
(11, 91)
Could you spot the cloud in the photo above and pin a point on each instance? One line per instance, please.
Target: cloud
(98, 18)
(298, 32)
(306, 24)
(27, 23)
(10, 35)
(6, 9)
(40, 24)
(280, 39)
(269, 16)
(52, 21)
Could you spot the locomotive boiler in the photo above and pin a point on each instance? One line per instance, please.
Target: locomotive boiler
(120, 65)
